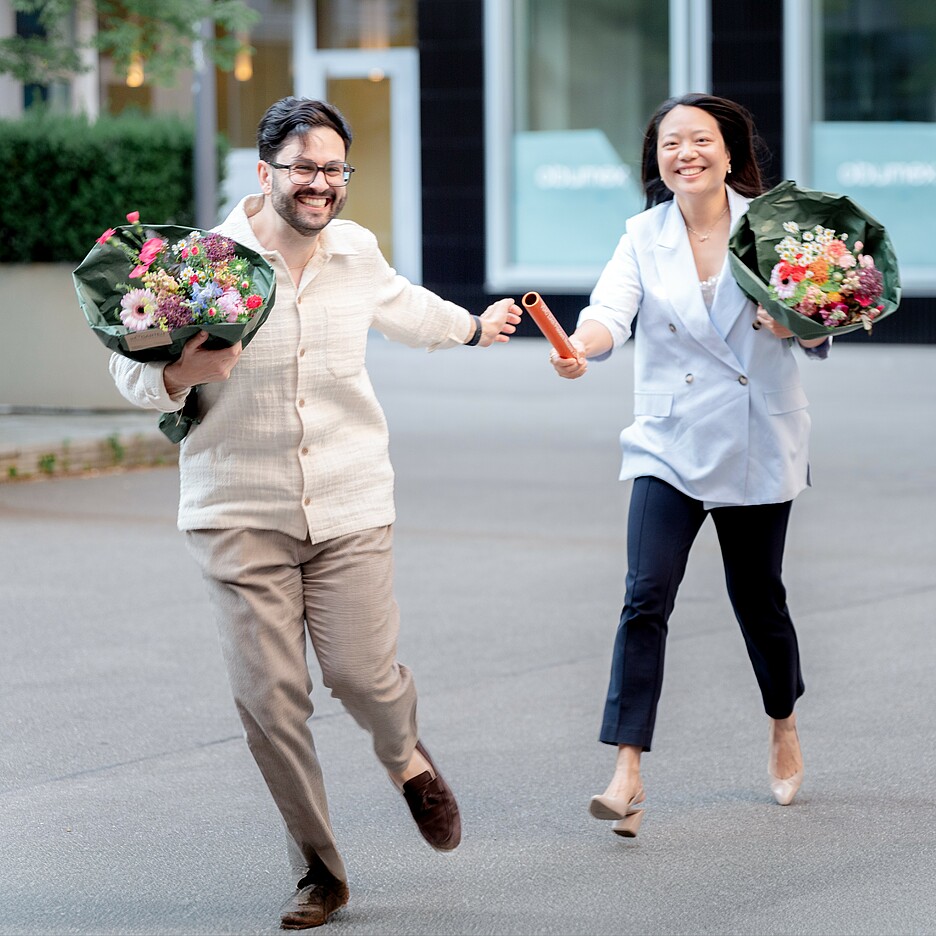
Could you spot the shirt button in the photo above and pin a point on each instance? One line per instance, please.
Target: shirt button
(301, 403)
(742, 380)
(302, 352)
(689, 378)
(305, 451)
(307, 501)
(672, 327)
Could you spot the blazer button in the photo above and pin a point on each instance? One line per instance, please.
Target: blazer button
(689, 378)
(742, 380)
(672, 327)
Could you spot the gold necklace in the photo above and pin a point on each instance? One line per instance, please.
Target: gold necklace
(704, 237)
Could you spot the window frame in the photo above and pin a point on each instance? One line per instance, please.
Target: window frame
(689, 70)
(801, 72)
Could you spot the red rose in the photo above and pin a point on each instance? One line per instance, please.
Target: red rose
(254, 302)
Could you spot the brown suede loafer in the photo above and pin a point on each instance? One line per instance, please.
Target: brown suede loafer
(433, 806)
(313, 904)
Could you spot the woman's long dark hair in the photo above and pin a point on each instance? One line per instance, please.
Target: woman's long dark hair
(741, 140)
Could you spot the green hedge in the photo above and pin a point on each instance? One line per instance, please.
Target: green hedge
(64, 180)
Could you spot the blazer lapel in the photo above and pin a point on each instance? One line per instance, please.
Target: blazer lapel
(676, 268)
(729, 300)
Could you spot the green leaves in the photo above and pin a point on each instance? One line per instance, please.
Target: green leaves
(162, 34)
(72, 179)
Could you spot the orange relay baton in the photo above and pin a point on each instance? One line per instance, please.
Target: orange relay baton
(548, 325)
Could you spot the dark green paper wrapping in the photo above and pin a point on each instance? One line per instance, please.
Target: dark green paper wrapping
(752, 255)
(106, 266)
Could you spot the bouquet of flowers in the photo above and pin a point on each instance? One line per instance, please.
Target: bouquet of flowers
(817, 262)
(146, 291)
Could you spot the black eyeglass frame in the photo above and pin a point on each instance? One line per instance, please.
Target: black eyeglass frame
(346, 172)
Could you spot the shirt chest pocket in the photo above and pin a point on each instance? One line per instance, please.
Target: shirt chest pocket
(345, 340)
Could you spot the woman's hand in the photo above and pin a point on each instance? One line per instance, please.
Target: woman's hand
(763, 320)
(570, 368)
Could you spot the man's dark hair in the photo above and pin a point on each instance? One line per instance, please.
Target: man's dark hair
(292, 116)
(737, 129)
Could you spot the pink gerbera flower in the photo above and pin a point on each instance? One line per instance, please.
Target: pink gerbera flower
(138, 309)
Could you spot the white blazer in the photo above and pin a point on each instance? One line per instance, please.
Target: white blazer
(720, 411)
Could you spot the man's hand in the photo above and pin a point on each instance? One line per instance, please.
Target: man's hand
(198, 366)
(499, 321)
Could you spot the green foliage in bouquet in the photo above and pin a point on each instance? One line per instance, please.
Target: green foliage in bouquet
(62, 174)
(816, 261)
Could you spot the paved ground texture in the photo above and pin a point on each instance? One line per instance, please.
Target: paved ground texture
(129, 803)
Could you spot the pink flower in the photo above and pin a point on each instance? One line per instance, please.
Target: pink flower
(133, 217)
(151, 250)
(138, 309)
(106, 236)
(231, 304)
(148, 253)
(780, 279)
(254, 301)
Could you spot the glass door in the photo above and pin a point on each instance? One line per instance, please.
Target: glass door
(376, 86)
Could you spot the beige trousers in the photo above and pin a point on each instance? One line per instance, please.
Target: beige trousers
(266, 590)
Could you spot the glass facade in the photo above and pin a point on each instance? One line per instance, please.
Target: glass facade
(581, 78)
(873, 132)
(258, 79)
(365, 24)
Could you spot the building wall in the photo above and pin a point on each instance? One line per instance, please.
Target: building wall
(747, 57)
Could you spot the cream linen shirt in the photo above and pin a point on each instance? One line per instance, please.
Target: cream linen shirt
(295, 440)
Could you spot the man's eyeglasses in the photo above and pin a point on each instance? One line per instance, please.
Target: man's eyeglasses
(303, 173)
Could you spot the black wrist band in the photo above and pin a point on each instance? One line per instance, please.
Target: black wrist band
(476, 337)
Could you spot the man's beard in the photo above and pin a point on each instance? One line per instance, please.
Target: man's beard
(286, 205)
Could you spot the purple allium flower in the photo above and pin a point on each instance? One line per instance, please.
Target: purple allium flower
(218, 248)
(174, 311)
(870, 284)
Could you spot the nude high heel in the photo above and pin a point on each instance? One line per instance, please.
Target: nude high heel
(627, 814)
(628, 826)
(785, 788)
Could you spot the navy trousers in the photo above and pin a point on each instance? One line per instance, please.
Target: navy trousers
(662, 525)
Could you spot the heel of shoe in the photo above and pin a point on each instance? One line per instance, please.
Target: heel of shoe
(628, 826)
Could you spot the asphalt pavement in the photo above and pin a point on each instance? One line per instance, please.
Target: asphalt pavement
(129, 803)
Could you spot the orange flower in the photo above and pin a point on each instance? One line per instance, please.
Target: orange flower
(820, 270)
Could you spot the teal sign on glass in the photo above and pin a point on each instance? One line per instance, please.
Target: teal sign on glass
(890, 170)
(572, 196)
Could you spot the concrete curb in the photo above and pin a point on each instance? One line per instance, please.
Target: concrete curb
(118, 450)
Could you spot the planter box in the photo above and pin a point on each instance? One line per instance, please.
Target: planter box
(49, 357)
